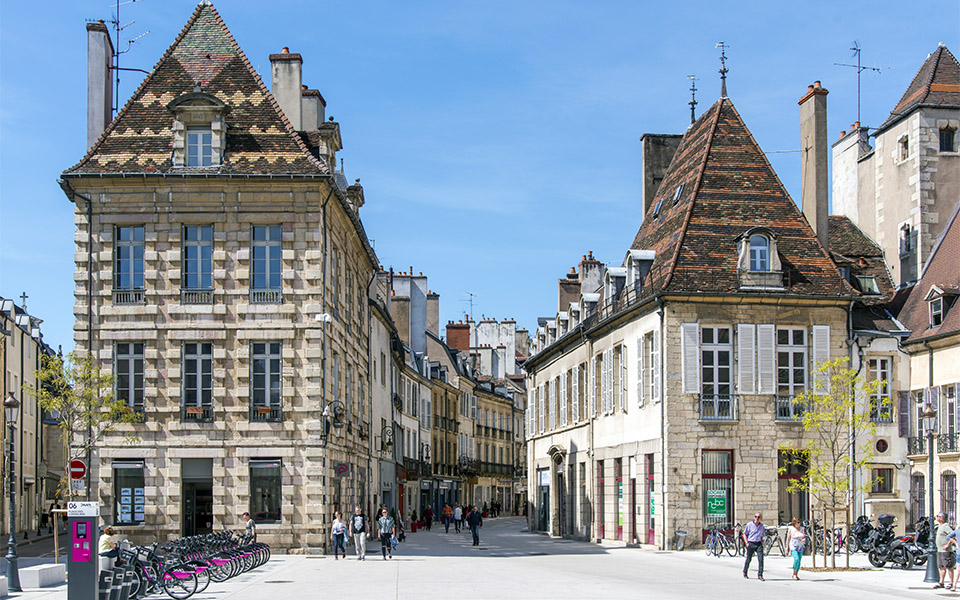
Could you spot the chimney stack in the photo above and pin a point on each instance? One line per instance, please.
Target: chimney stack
(433, 313)
(285, 82)
(99, 83)
(656, 152)
(813, 162)
(313, 109)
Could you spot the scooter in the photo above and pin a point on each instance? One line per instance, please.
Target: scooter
(918, 541)
(859, 534)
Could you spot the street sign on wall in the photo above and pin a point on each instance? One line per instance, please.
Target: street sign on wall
(77, 469)
(341, 469)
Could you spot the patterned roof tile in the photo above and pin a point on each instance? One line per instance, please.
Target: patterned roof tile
(937, 82)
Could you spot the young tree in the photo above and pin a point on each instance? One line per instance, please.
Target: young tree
(838, 425)
(81, 397)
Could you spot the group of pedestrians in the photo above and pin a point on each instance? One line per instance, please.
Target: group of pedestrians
(753, 537)
(358, 527)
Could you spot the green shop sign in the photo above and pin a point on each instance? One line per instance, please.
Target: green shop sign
(716, 503)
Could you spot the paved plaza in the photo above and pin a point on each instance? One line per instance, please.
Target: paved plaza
(511, 563)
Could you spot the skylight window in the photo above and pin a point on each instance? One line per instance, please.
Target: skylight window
(679, 192)
(868, 284)
(656, 209)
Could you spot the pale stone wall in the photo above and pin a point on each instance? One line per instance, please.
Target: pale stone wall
(310, 488)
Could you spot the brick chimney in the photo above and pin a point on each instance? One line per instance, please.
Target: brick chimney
(458, 336)
(285, 83)
(656, 152)
(813, 159)
(99, 82)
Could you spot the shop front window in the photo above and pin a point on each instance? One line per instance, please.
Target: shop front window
(128, 492)
(265, 491)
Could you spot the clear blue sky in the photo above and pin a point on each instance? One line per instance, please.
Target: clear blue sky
(496, 141)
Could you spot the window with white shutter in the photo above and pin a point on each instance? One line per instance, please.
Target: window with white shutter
(531, 411)
(640, 372)
(564, 378)
(553, 404)
(766, 359)
(542, 405)
(575, 392)
(656, 391)
(821, 354)
(596, 372)
(623, 377)
(608, 367)
(690, 354)
(746, 358)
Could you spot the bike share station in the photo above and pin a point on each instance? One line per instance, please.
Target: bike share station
(85, 579)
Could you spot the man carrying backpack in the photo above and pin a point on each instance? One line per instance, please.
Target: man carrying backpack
(358, 529)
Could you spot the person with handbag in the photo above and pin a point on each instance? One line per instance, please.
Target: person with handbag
(797, 543)
(387, 528)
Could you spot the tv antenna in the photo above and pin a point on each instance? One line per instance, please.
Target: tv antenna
(860, 69)
(723, 68)
(693, 98)
(470, 300)
(119, 26)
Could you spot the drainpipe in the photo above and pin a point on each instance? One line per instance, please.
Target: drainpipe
(851, 341)
(323, 359)
(663, 434)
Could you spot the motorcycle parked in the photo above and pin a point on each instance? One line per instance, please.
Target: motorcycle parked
(883, 546)
(859, 534)
(918, 541)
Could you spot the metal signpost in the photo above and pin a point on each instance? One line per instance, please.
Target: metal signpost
(83, 561)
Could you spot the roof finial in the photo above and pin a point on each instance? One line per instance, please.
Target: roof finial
(723, 68)
(693, 98)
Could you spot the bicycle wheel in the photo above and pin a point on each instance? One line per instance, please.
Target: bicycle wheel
(766, 545)
(783, 547)
(708, 544)
(730, 546)
(741, 547)
(178, 584)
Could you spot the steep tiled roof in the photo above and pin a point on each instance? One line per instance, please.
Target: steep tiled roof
(729, 187)
(260, 139)
(937, 82)
(941, 271)
(850, 247)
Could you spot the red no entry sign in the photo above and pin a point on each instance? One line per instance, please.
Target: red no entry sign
(77, 469)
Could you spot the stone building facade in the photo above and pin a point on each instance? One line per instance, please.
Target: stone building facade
(222, 275)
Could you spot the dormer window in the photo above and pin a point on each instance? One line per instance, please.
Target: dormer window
(677, 194)
(199, 129)
(936, 312)
(759, 253)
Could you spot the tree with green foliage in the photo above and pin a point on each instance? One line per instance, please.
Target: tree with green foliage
(839, 433)
(80, 396)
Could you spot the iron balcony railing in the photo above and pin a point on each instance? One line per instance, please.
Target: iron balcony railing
(266, 296)
(719, 407)
(789, 409)
(266, 414)
(122, 297)
(196, 414)
(948, 443)
(916, 445)
(196, 296)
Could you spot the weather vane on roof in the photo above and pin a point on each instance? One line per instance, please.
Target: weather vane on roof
(723, 68)
(693, 98)
(860, 69)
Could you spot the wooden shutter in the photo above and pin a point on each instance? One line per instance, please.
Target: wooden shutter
(903, 413)
(575, 392)
(640, 370)
(932, 396)
(563, 397)
(821, 354)
(690, 353)
(655, 358)
(541, 412)
(592, 379)
(766, 359)
(746, 358)
(622, 388)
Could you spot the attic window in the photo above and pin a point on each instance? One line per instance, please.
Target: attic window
(948, 137)
(759, 253)
(936, 312)
(199, 146)
(199, 129)
(679, 192)
(868, 284)
(656, 209)
(758, 262)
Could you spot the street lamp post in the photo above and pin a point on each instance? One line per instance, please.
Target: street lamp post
(11, 409)
(929, 415)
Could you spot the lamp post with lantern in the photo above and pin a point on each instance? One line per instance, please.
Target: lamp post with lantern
(929, 416)
(11, 410)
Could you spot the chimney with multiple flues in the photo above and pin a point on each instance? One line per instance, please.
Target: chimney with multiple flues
(813, 159)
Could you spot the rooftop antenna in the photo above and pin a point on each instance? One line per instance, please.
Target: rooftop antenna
(470, 300)
(118, 27)
(723, 68)
(860, 69)
(693, 98)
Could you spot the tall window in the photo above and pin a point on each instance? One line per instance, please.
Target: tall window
(918, 505)
(265, 490)
(759, 253)
(950, 396)
(717, 476)
(128, 265)
(882, 481)
(918, 410)
(791, 467)
(904, 146)
(198, 257)
(265, 372)
(791, 371)
(716, 352)
(128, 368)
(881, 405)
(197, 382)
(948, 496)
(623, 377)
(199, 147)
(266, 263)
(947, 139)
(128, 492)
(936, 312)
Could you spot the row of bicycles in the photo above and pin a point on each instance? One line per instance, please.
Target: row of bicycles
(721, 540)
(188, 565)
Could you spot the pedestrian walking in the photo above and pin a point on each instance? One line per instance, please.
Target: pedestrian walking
(953, 539)
(387, 528)
(338, 533)
(946, 560)
(249, 527)
(475, 521)
(358, 529)
(447, 517)
(797, 543)
(753, 535)
(428, 518)
(457, 517)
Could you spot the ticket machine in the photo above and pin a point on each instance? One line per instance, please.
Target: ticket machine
(83, 561)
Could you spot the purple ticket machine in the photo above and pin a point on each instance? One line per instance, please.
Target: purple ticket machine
(83, 560)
